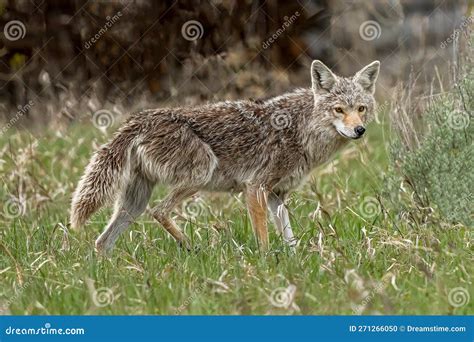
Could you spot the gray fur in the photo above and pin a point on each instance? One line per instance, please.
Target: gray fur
(227, 146)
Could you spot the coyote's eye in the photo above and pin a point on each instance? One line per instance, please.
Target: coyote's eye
(338, 110)
(361, 109)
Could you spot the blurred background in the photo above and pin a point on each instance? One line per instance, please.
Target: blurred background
(63, 61)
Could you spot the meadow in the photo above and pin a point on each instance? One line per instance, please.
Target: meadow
(356, 253)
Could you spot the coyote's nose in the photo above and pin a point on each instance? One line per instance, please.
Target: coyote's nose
(359, 130)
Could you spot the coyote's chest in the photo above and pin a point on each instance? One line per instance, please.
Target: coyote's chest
(315, 155)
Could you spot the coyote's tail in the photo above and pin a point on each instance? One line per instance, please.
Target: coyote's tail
(102, 178)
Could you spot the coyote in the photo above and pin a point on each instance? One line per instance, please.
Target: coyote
(263, 148)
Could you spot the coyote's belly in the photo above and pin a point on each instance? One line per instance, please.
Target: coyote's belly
(236, 177)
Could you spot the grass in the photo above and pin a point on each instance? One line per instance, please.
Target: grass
(356, 254)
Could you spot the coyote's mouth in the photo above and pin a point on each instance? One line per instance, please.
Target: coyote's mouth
(348, 136)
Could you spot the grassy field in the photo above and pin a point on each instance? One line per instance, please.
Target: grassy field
(355, 255)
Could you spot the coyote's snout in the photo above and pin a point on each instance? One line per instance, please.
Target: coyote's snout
(263, 148)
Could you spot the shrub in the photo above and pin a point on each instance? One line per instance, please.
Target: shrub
(434, 155)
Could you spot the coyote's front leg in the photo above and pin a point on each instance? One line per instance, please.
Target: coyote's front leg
(277, 207)
(256, 197)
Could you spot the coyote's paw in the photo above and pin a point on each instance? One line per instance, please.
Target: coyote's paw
(102, 247)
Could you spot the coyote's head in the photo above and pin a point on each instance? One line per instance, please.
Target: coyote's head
(346, 103)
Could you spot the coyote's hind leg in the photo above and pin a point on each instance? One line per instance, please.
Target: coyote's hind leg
(131, 204)
(163, 210)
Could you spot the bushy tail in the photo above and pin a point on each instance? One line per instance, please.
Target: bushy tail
(102, 178)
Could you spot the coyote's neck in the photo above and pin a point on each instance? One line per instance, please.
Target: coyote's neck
(318, 138)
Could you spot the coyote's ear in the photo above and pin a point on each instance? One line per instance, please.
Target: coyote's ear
(321, 76)
(368, 75)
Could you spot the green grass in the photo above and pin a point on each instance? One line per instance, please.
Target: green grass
(346, 255)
